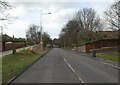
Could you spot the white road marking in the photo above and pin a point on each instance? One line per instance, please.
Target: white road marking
(80, 80)
(111, 65)
(69, 65)
(65, 60)
(73, 70)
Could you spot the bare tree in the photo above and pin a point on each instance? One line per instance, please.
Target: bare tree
(46, 38)
(113, 16)
(88, 21)
(5, 17)
(81, 29)
(68, 33)
(4, 6)
(33, 33)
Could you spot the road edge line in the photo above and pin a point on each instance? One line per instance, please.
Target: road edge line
(110, 65)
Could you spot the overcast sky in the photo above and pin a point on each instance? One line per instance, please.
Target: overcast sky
(28, 12)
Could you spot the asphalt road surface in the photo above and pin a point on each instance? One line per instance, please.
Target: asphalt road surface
(61, 66)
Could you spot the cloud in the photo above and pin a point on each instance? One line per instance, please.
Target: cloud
(54, 22)
(18, 29)
(101, 7)
(17, 11)
(63, 15)
(53, 30)
(28, 12)
(62, 0)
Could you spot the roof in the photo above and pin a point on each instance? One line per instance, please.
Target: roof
(5, 38)
(107, 32)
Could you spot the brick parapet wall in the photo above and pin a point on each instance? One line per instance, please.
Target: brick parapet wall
(100, 44)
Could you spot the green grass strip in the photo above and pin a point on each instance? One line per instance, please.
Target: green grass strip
(13, 64)
(112, 56)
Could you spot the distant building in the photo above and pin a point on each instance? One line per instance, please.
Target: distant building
(55, 43)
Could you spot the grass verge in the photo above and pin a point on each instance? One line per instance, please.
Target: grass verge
(14, 64)
(112, 56)
(0, 70)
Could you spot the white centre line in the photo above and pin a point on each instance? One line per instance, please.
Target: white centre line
(81, 80)
(73, 70)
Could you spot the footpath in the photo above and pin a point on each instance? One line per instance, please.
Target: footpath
(2, 54)
(99, 59)
(106, 62)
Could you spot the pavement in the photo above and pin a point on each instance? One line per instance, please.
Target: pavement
(89, 55)
(10, 51)
(62, 66)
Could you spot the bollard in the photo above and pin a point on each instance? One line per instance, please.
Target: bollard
(93, 52)
(13, 51)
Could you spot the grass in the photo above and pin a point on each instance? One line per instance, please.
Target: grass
(0, 70)
(13, 64)
(112, 56)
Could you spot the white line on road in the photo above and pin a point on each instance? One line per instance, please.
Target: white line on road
(73, 70)
(69, 65)
(111, 65)
(80, 80)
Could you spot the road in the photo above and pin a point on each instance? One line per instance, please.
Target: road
(61, 66)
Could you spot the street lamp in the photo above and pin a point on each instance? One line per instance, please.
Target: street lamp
(41, 40)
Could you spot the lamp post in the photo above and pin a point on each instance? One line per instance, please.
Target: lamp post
(41, 40)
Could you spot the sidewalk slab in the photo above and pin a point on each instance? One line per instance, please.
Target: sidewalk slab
(10, 51)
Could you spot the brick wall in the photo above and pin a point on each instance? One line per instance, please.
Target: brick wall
(100, 44)
(89, 47)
